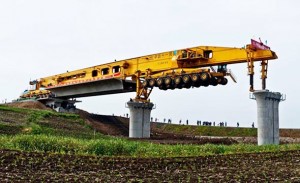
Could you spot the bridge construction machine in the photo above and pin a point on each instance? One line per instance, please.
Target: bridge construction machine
(176, 69)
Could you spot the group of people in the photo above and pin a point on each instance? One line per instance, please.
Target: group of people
(205, 123)
(208, 123)
(199, 123)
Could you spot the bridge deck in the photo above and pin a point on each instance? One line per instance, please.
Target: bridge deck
(94, 88)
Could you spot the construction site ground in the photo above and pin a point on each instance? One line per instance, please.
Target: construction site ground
(168, 133)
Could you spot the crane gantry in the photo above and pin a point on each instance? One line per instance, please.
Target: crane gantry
(176, 69)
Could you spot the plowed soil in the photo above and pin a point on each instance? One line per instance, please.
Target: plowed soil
(18, 166)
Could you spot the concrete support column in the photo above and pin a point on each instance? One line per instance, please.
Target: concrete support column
(139, 123)
(267, 116)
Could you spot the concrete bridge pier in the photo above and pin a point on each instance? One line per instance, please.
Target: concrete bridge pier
(267, 116)
(139, 123)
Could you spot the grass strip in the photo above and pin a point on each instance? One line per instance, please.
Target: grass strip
(124, 147)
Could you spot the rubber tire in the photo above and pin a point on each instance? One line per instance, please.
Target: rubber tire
(160, 82)
(186, 79)
(178, 80)
(152, 82)
(204, 76)
(195, 78)
(224, 81)
(145, 83)
(168, 81)
(219, 80)
(213, 81)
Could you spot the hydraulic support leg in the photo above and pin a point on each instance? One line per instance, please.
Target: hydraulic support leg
(250, 64)
(264, 71)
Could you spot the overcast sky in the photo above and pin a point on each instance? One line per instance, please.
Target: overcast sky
(42, 38)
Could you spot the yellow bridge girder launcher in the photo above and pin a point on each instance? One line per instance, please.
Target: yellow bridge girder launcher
(182, 68)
